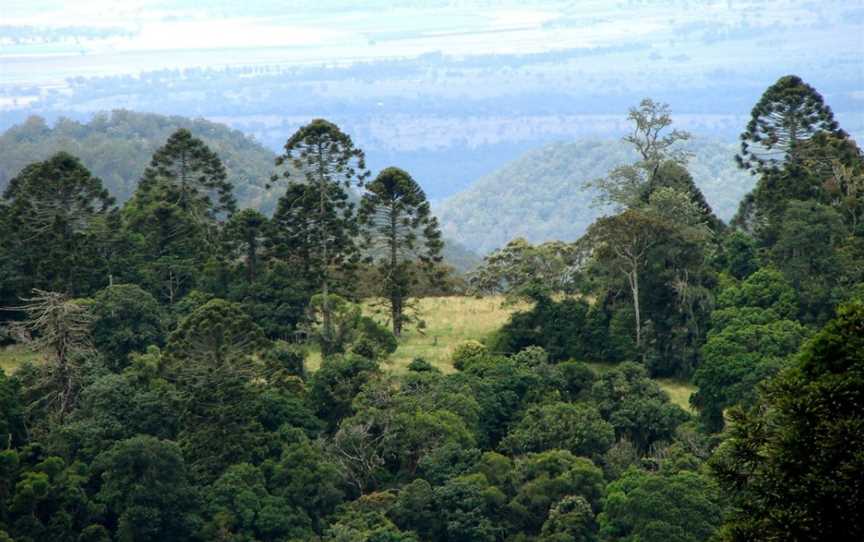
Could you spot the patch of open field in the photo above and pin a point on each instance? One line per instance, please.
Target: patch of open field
(679, 392)
(11, 357)
(449, 321)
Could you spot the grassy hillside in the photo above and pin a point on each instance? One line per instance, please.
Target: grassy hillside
(539, 195)
(451, 320)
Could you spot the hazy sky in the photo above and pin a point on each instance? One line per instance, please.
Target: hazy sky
(347, 31)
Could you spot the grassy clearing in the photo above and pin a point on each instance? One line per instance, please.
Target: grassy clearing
(679, 392)
(449, 321)
(11, 357)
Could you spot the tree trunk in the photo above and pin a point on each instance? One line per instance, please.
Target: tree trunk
(325, 279)
(395, 294)
(633, 278)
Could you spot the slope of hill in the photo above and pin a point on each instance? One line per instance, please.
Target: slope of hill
(539, 196)
(117, 146)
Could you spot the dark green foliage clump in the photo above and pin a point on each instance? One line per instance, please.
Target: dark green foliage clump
(792, 464)
(127, 321)
(53, 218)
(661, 507)
(753, 335)
(11, 412)
(567, 329)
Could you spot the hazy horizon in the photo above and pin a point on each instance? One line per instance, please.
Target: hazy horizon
(450, 90)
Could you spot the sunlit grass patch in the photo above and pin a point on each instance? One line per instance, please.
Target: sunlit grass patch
(448, 322)
(451, 320)
(679, 391)
(12, 357)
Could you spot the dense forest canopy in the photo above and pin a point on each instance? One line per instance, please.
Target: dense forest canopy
(204, 370)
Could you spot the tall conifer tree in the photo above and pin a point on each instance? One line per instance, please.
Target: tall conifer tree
(400, 233)
(315, 215)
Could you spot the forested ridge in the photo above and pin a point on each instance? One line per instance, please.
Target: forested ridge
(172, 394)
(535, 196)
(539, 195)
(116, 146)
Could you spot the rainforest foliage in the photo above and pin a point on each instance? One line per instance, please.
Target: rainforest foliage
(174, 397)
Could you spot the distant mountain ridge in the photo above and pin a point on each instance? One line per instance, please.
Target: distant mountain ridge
(117, 146)
(539, 195)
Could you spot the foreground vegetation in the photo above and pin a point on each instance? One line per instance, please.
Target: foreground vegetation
(174, 398)
(448, 323)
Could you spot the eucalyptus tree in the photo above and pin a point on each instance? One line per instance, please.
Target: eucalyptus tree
(400, 234)
(623, 243)
(631, 185)
(315, 214)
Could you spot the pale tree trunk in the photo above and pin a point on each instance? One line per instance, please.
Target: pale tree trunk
(325, 278)
(632, 257)
(633, 277)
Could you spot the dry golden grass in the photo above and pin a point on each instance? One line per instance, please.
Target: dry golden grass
(449, 321)
(679, 392)
(11, 357)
